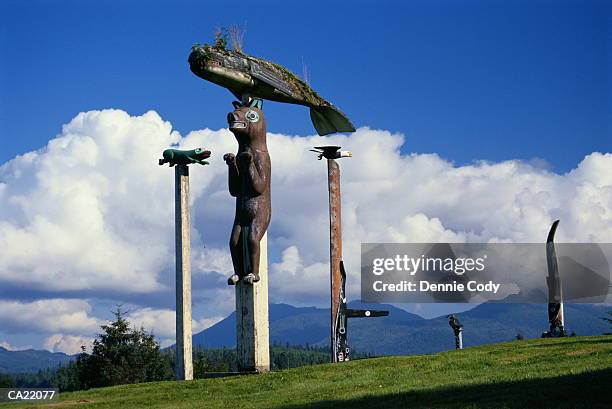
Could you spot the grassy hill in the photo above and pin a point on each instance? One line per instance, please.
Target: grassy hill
(401, 333)
(555, 373)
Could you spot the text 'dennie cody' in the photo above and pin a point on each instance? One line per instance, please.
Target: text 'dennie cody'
(475, 272)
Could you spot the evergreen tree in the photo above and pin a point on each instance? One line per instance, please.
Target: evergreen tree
(6, 381)
(122, 355)
(608, 320)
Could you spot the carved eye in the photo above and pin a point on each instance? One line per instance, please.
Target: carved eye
(252, 116)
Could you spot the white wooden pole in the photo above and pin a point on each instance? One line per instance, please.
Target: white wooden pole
(184, 363)
(252, 326)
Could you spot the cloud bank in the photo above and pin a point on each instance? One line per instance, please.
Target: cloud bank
(89, 217)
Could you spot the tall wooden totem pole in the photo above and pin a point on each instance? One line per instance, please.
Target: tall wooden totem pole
(249, 182)
(340, 312)
(251, 80)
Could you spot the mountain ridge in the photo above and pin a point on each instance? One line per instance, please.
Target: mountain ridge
(401, 333)
(31, 360)
(404, 333)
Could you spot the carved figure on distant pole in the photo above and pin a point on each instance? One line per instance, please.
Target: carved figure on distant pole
(457, 329)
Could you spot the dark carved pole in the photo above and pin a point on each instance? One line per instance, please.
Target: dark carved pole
(457, 330)
(181, 159)
(339, 310)
(556, 318)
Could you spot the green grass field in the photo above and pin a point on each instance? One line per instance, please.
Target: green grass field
(554, 373)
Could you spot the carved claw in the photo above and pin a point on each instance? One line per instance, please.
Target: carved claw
(250, 278)
(233, 280)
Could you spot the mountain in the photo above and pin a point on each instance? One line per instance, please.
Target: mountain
(403, 333)
(30, 360)
(295, 325)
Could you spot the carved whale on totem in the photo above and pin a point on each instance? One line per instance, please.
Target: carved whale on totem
(249, 77)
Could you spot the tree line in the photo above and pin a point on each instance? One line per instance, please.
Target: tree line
(122, 355)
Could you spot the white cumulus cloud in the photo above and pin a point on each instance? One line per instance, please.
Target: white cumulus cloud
(54, 315)
(162, 322)
(11, 347)
(68, 344)
(92, 214)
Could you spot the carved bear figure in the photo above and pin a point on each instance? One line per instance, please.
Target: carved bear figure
(249, 182)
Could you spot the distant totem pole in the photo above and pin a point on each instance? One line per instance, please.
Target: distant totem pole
(181, 160)
(458, 331)
(340, 312)
(556, 318)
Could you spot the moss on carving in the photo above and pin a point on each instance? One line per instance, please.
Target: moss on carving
(203, 53)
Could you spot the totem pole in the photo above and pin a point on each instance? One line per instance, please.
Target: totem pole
(340, 350)
(249, 182)
(556, 318)
(181, 159)
(457, 329)
(251, 80)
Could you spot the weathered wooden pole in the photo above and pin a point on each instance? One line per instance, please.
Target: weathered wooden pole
(184, 363)
(252, 325)
(340, 313)
(331, 153)
(335, 249)
(181, 160)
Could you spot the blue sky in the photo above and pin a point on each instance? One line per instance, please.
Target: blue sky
(477, 80)
(469, 81)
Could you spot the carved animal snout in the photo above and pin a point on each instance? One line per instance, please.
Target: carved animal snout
(235, 122)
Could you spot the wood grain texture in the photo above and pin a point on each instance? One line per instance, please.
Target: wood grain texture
(184, 363)
(252, 324)
(335, 247)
